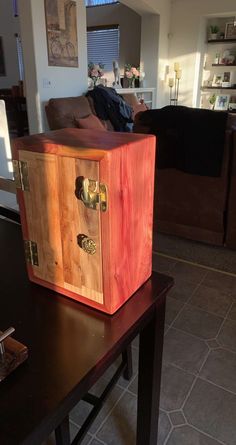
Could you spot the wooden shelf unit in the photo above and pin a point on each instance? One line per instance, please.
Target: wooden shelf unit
(223, 64)
(222, 41)
(217, 88)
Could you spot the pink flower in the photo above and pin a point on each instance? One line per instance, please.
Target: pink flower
(94, 73)
(128, 74)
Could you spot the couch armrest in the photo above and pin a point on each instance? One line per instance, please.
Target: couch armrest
(62, 112)
(139, 127)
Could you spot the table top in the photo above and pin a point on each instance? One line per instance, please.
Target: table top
(69, 343)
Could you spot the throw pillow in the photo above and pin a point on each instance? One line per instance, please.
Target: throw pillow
(90, 122)
(137, 108)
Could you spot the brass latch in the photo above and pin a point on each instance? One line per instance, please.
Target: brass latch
(31, 252)
(21, 177)
(94, 194)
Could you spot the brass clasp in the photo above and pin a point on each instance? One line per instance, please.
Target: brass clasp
(93, 193)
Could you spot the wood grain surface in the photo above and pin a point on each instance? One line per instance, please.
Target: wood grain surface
(53, 216)
(127, 227)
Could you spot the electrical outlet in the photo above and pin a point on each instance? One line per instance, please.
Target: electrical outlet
(46, 83)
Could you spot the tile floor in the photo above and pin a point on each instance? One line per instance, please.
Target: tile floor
(198, 395)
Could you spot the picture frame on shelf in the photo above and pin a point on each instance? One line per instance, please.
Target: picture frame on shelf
(227, 79)
(230, 31)
(222, 102)
(217, 80)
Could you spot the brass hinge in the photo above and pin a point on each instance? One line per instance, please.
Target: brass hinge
(94, 194)
(31, 252)
(21, 177)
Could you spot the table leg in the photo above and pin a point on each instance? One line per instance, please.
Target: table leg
(149, 382)
(127, 358)
(62, 433)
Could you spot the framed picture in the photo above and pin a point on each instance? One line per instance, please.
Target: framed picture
(230, 31)
(2, 60)
(222, 102)
(217, 80)
(227, 76)
(61, 30)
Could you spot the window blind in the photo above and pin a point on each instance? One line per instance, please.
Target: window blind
(99, 2)
(103, 45)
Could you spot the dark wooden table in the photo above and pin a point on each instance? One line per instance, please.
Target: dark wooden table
(70, 347)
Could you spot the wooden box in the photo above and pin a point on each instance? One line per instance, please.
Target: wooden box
(86, 205)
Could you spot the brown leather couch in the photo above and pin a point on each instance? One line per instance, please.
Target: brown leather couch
(65, 112)
(193, 206)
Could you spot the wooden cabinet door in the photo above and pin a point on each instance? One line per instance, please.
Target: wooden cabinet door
(55, 217)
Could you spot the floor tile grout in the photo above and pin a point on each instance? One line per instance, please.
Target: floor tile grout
(204, 310)
(113, 407)
(206, 434)
(215, 384)
(195, 264)
(170, 427)
(185, 304)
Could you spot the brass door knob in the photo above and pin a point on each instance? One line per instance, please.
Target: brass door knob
(87, 244)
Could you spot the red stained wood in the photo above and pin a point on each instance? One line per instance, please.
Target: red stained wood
(123, 233)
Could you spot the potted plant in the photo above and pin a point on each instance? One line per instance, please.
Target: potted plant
(214, 29)
(212, 101)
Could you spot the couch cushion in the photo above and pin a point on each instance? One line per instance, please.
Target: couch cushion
(139, 108)
(63, 112)
(90, 122)
(130, 98)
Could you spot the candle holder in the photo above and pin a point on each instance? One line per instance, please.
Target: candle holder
(174, 82)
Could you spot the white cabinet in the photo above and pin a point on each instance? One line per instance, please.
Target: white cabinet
(147, 94)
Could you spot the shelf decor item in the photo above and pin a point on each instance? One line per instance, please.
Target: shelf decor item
(217, 80)
(230, 30)
(95, 71)
(222, 102)
(227, 79)
(174, 82)
(131, 74)
(214, 29)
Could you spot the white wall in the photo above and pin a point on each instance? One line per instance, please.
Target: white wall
(187, 40)
(9, 25)
(130, 30)
(154, 43)
(64, 81)
(7, 199)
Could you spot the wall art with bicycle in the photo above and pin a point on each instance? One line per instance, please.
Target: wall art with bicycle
(61, 29)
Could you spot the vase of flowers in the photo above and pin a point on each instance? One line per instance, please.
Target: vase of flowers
(131, 73)
(95, 71)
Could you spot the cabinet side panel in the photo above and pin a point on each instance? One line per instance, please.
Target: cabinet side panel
(127, 226)
(82, 271)
(42, 215)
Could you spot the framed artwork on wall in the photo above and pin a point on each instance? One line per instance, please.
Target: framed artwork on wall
(61, 31)
(230, 31)
(222, 102)
(2, 60)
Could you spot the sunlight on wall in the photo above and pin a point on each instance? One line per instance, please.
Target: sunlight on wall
(5, 149)
(188, 85)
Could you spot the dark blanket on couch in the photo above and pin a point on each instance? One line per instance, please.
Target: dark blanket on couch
(110, 105)
(189, 139)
